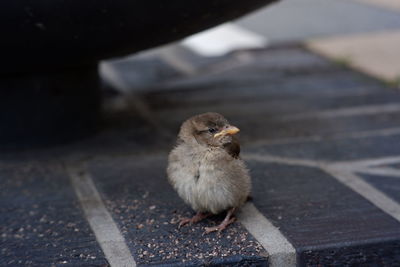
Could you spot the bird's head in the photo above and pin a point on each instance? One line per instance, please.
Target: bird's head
(208, 129)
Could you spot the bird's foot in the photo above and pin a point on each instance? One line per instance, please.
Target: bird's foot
(185, 221)
(196, 218)
(220, 227)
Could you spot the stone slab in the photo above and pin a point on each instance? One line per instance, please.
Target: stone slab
(265, 96)
(327, 222)
(284, 96)
(41, 222)
(147, 210)
(388, 185)
(335, 149)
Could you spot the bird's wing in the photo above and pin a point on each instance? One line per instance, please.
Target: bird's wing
(233, 148)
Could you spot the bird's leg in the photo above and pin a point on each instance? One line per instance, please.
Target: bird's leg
(227, 221)
(196, 218)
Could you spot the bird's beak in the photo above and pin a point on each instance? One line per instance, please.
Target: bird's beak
(230, 130)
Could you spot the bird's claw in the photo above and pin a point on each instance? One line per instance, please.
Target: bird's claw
(184, 221)
(208, 230)
(196, 218)
(218, 228)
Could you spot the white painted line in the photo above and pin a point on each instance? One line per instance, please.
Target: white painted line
(370, 162)
(172, 56)
(370, 133)
(223, 39)
(345, 112)
(111, 75)
(357, 184)
(281, 252)
(106, 231)
(344, 172)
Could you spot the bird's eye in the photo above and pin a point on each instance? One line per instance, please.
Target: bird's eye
(212, 130)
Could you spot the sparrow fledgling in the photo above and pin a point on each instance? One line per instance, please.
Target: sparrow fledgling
(206, 171)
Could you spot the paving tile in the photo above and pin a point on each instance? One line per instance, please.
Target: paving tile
(265, 129)
(261, 84)
(374, 53)
(270, 98)
(335, 149)
(326, 222)
(41, 223)
(147, 210)
(289, 109)
(363, 255)
(271, 68)
(259, 97)
(388, 185)
(257, 80)
(297, 20)
(275, 65)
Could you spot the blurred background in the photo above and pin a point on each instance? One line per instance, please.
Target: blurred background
(361, 33)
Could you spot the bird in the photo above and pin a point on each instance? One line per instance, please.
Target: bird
(206, 171)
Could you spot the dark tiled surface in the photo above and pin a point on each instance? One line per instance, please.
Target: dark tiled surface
(388, 185)
(336, 149)
(147, 211)
(313, 209)
(41, 223)
(273, 98)
(327, 222)
(373, 254)
(273, 95)
(264, 95)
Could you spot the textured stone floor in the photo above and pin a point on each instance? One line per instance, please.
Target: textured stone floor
(322, 142)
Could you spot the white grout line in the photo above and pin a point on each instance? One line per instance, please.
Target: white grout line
(357, 184)
(106, 231)
(369, 162)
(224, 39)
(344, 173)
(280, 250)
(345, 112)
(369, 133)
